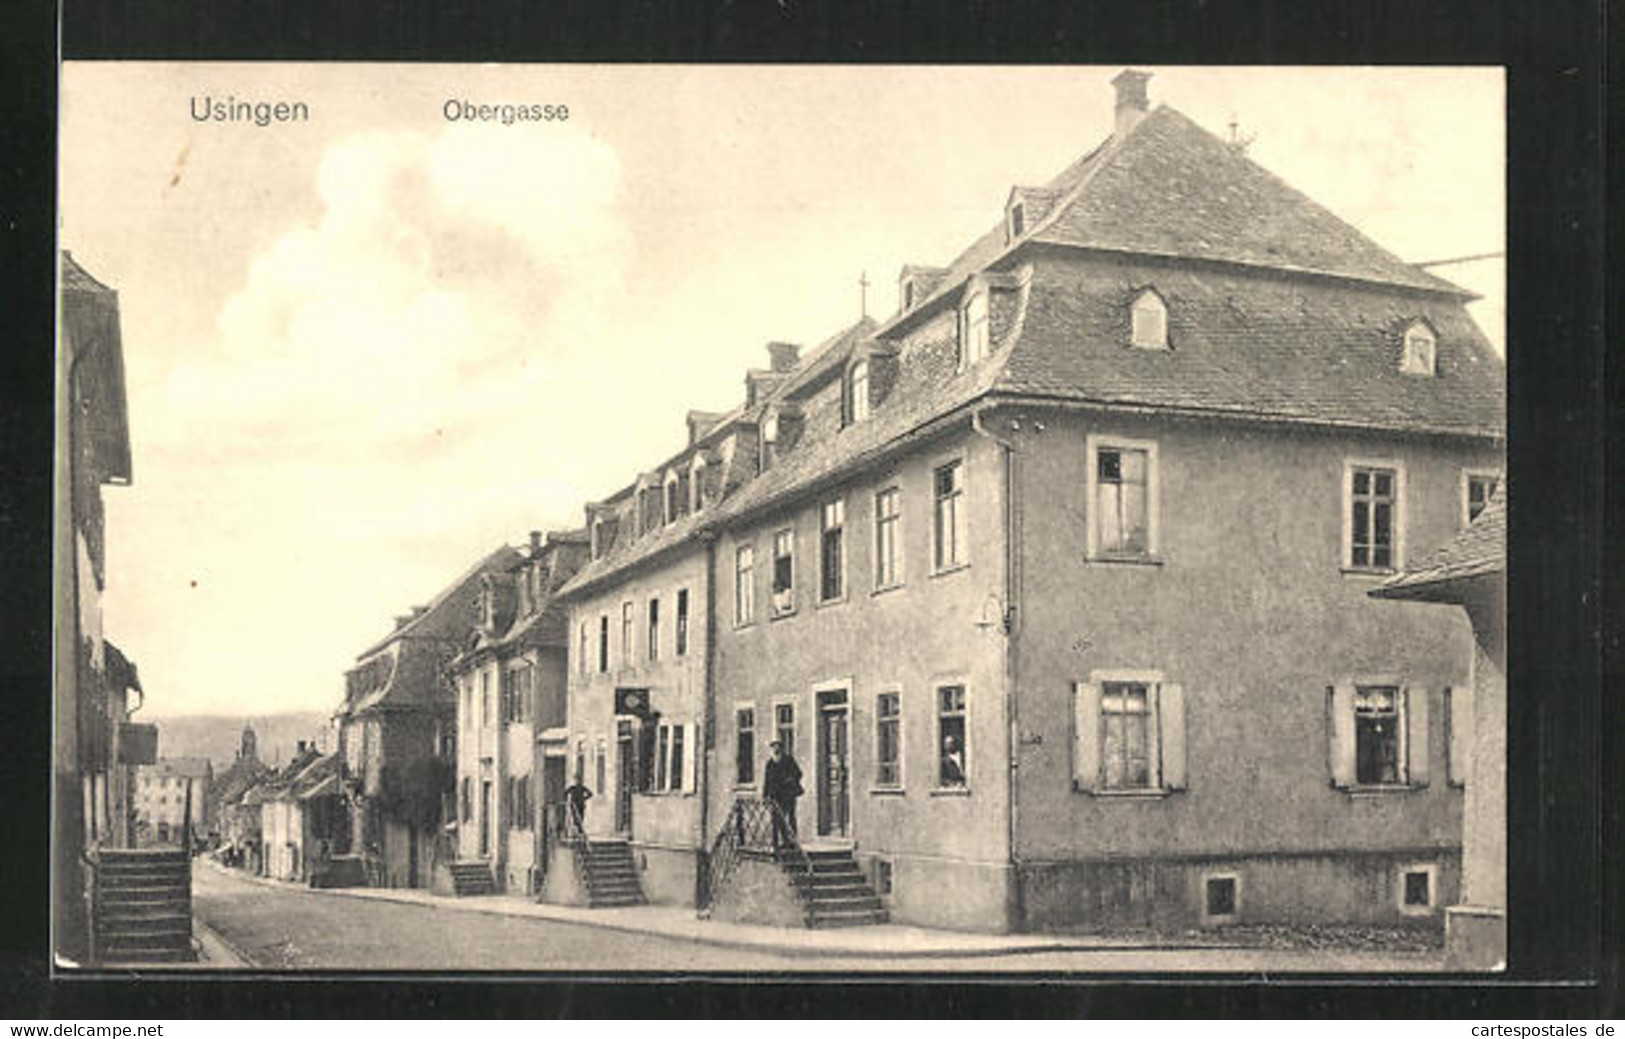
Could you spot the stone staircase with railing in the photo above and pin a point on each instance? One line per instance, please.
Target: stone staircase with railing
(143, 906)
(835, 892)
(610, 874)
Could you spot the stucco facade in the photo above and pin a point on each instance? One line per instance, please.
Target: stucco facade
(644, 767)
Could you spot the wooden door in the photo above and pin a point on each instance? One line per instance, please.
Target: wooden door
(626, 771)
(834, 766)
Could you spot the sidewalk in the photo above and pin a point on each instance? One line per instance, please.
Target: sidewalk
(881, 941)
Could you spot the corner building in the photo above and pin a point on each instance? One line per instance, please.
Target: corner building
(1056, 579)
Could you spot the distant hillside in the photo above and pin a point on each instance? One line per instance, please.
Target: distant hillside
(216, 736)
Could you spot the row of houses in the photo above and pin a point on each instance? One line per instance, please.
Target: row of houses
(1055, 583)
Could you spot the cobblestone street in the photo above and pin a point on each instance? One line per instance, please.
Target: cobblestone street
(285, 928)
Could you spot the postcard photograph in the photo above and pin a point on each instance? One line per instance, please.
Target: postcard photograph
(780, 520)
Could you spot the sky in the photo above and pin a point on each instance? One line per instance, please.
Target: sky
(364, 350)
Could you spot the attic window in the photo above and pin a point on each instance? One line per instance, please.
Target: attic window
(1018, 221)
(696, 484)
(674, 500)
(973, 335)
(770, 429)
(1150, 321)
(1421, 350)
(908, 294)
(858, 392)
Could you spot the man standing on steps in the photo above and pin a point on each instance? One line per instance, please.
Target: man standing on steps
(781, 785)
(576, 796)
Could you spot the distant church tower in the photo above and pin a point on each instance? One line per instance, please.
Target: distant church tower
(248, 751)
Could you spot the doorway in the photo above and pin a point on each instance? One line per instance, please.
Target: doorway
(626, 771)
(485, 818)
(834, 765)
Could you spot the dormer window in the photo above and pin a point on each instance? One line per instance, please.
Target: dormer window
(908, 294)
(1421, 350)
(1150, 321)
(696, 487)
(1018, 221)
(973, 332)
(674, 501)
(770, 429)
(858, 392)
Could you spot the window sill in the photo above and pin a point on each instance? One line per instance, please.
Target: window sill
(950, 791)
(827, 603)
(1146, 794)
(1370, 573)
(746, 626)
(1380, 789)
(945, 571)
(888, 588)
(779, 615)
(1124, 560)
(885, 791)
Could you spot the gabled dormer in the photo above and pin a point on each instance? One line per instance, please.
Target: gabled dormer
(702, 473)
(1023, 209)
(674, 491)
(975, 332)
(915, 283)
(1419, 352)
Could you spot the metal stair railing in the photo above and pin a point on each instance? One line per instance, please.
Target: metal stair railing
(759, 827)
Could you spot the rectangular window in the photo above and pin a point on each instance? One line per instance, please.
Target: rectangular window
(951, 736)
(888, 740)
(1477, 489)
(784, 726)
(745, 585)
(662, 756)
(1416, 892)
(1221, 898)
(832, 551)
(1376, 735)
(583, 649)
(654, 629)
(1122, 501)
(485, 698)
(1373, 507)
(745, 746)
(627, 634)
(1128, 733)
(949, 523)
(1125, 736)
(682, 621)
(784, 572)
(888, 548)
(674, 774)
(603, 643)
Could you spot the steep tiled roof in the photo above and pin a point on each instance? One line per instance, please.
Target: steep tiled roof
(1277, 309)
(1241, 343)
(1478, 551)
(433, 620)
(1171, 188)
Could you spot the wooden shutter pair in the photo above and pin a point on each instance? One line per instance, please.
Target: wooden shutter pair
(691, 754)
(1167, 706)
(1413, 735)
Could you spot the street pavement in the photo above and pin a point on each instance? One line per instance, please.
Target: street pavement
(278, 927)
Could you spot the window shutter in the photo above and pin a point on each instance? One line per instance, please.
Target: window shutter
(1086, 736)
(1340, 734)
(1171, 720)
(1416, 735)
(1460, 702)
(691, 753)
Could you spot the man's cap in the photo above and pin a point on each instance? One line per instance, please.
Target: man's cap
(775, 743)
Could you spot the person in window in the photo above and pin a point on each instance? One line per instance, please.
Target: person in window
(953, 762)
(576, 796)
(781, 785)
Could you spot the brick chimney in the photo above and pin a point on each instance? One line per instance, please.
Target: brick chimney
(535, 542)
(1132, 102)
(783, 356)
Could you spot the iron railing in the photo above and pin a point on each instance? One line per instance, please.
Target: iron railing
(755, 827)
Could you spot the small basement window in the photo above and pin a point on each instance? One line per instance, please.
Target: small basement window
(1221, 898)
(1416, 890)
(883, 878)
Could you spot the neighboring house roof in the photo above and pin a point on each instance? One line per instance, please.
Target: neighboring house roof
(1477, 552)
(1278, 311)
(90, 318)
(436, 620)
